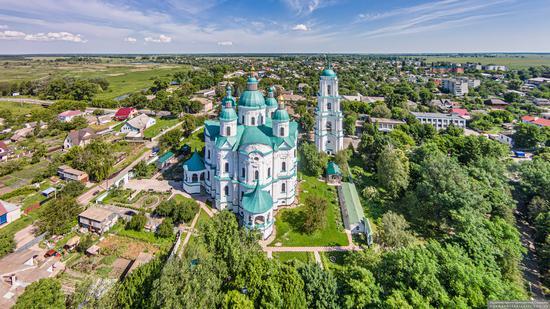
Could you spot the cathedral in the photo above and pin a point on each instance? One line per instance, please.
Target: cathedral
(250, 159)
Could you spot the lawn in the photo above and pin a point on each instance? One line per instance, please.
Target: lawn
(305, 257)
(159, 126)
(333, 260)
(289, 221)
(19, 109)
(512, 61)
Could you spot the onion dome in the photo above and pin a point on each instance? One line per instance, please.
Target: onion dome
(328, 72)
(281, 114)
(251, 97)
(228, 113)
(228, 97)
(270, 101)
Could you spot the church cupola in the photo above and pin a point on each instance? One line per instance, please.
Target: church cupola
(270, 102)
(252, 104)
(281, 120)
(228, 119)
(229, 97)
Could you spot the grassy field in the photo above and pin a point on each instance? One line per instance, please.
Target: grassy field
(289, 221)
(162, 124)
(305, 257)
(512, 61)
(18, 109)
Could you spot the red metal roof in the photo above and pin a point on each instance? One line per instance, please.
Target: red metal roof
(541, 122)
(124, 112)
(528, 118)
(460, 111)
(3, 209)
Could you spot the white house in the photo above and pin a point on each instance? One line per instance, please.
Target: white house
(440, 121)
(135, 126)
(67, 116)
(8, 213)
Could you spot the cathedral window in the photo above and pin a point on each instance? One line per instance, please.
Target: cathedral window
(227, 167)
(202, 176)
(253, 121)
(208, 156)
(283, 167)
(329, 106)
(329, 90)
(282, 133)
(269, 172)
(283, 187)
(228, 131)
(226, 190)
(208, 175)
(256, 175)
(243, 173)
(329, 126)
(194, 178)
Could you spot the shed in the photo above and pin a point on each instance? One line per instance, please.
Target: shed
(48, 192)
(334, 174)
(72, 243)
(93, 250)
(165, 159)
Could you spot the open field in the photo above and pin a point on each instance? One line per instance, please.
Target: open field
(289, 221)
(17, 108)
(512, 61)
(162, 124)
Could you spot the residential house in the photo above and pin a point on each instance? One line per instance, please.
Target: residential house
(207, 104)
(495, 103)
(125, 113)
(505, 137)
(69, 173)
(21, 134)
(8, 213)
(537, 81)
(541, 122)
(5, 151)
(541, 101)
(494, 67)
(69, 115)
(207, 92)
(460, 112)
(440, 121)
(135, 126)
(80, 138)
(97, 220)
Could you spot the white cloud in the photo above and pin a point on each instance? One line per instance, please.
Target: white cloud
(304, 7)
(300, 27)
(161, 39)
(50, 36)
(3, 26)
(225, 43)
(130, 39)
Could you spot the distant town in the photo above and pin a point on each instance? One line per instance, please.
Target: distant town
(284, 181)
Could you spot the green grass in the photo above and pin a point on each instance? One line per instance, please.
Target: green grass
(148, 237)
(511, 61)
(305, 257)
(288, 221)
(19, 109)
(160, 125)
(195, 140)
(333, 260)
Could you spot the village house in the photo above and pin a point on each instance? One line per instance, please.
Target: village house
(165, 160)
(8, 213)
(440, 121)
(80, 138)
(541, 122)
(206, 103)
(135, 126)
(125, 113)
(495, 103)
(460, 112)
(5, 151)
(69, 115)
(21, 134)
(68, 173)
(97, 220)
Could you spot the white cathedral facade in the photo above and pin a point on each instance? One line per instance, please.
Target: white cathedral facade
(250, 159)
(329, 131)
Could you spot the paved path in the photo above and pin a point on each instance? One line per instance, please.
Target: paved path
(189, 233)
(318, 258)
(312, 249)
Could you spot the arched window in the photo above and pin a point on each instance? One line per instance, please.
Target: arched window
(227, 167)
(194, 178)
(283, 187)
(253, 121)
(283, 167)
(329, 106)
(329, 126)
(282, 131)
(202, 176)
(329, 90)
(243, 173)
(208, 153)
(226, 190)
(261, 119)
(242, 120)
(256, 175)
(269, 172)
(208, 175)
(227, 130)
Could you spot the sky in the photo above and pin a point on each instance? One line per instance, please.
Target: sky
(273, 26)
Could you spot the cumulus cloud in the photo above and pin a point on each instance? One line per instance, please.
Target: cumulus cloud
(50, 36)
(161, 39)
(130, 39)
(300, 27)
(225, 43)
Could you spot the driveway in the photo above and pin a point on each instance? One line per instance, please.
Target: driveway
(152, 184)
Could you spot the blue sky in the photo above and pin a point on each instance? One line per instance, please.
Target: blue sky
(317, 26)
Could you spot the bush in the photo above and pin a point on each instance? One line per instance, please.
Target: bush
(137, 222)
(179, 209)
(316, 214)
(7, 243)
(166, 228)
(44, 293)
(86, 242)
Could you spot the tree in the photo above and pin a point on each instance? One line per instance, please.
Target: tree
(392, 171)
(315, 210)
(184, 210)
(137, 223)
(171, 139)
(188, 124)
(236, 300)
(7, 243)
(349, 123)
(426, 96)
(57, 216)
(320, 287)
(313, 162)
(381, 111)
(529, 135)
(394, 231)
(143, 170)
(44, 293)
(359, 288)
(96, 159)
(158, 85)
(166, 228)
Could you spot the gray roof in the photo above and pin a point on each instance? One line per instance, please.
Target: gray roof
(436, 115)
(139, 122)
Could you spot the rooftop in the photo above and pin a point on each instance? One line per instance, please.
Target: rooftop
(352, 203)
(96, 214)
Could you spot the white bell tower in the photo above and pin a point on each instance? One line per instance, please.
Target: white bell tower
(329, 133)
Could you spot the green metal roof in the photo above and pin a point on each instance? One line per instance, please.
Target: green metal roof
(352, 203)
(228, 114)
(254, 135)
(252, 79)
(252, 98)
(333, 169)
(281, 115)
(257, 201)
(270, 101)
(195, 163)
(165, 157)
(328, 72)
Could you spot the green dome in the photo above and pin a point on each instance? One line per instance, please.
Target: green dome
(271, 102)
(257, 201)
(252, 79)
(328, 72)
(230, 100)
(281, 115)
(252, 98)
(228, 114)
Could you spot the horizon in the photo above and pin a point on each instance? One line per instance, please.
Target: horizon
(273, 27)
